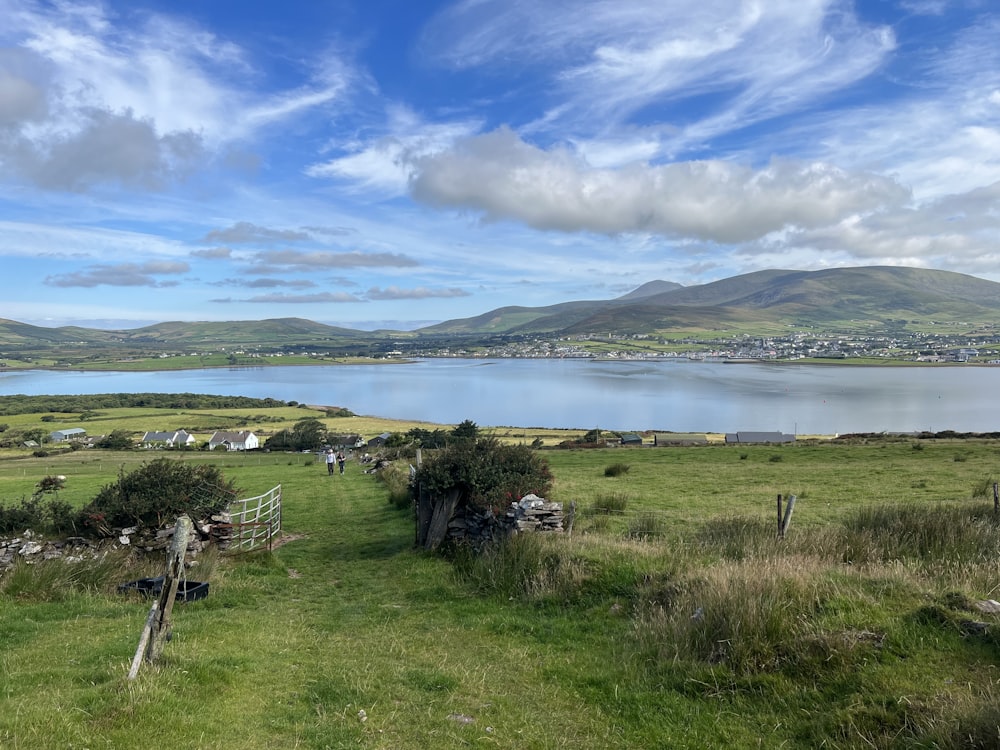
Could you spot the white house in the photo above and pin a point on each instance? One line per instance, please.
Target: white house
(175, 439)
(234, 441)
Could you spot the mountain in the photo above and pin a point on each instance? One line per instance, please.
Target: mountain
(651, 288)
(831, 298)
(181, 334)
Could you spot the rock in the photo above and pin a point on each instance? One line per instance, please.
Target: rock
(989, 607)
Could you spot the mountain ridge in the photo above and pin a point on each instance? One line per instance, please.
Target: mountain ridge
(828, 297)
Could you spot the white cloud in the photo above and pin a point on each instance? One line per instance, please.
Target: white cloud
(95, 99)
(502, 177)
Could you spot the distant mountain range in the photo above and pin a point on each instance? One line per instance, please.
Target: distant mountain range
(828, 298)
(831, 299)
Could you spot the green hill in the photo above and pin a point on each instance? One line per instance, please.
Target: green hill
(871, 294)
(831, 298)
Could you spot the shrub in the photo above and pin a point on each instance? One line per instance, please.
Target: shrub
(486, 473)
(156, 493)
(29, 514)
(775, 458)
(616, 470)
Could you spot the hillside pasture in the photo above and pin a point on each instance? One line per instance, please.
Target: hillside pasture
(675, 618)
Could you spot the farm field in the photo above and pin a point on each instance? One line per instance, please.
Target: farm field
(672, 616)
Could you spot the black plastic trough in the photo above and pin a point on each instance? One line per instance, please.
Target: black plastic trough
(187, 591)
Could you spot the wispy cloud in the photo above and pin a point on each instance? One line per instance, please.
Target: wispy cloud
(246, 232)
(122, 274)
(420, 292)
(295, 258)
(303, 299)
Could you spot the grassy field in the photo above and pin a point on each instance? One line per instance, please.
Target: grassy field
(671, 617)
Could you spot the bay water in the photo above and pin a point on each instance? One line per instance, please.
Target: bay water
(679, 396)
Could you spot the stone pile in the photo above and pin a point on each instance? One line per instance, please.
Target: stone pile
(530, 514)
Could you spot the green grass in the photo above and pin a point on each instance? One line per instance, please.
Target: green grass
(678, 621)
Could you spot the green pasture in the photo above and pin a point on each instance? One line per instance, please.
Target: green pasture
(671, 617)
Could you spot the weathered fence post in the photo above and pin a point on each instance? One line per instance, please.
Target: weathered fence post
(570, 518)
(156, 629)
(788, 515)
(140, 651)
(444, 508)
(171, 582)
(996, 497)
(779, 516)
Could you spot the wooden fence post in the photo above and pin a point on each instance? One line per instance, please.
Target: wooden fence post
(140, 651)
(779, 516)
(171, 582)
(996, 497)
(788, 515)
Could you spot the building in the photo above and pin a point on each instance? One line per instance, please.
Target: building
(72, 433)
(175, 439)
(679, 438)
(379, 440)
(234, 441)
(745, 438)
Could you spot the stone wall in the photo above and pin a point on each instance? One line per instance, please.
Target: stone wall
(30, 548)
(530, 514)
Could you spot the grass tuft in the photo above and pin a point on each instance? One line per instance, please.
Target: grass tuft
(616, 470)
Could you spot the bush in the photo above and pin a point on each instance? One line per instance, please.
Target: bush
(486, 473)
(29, 514)
(155, 494)
(616, 470)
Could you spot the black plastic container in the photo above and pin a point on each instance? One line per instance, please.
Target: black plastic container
(187, 591)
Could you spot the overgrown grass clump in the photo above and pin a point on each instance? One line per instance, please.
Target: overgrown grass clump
(616, 470)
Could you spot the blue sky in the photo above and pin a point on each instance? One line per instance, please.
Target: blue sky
(392, 164)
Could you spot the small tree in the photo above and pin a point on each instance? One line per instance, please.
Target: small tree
(117, 440)
(466, 430)
(308, 434)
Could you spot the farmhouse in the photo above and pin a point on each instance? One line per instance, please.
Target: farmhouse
(234, 441)
(72, 433)
(346, 442)
(175, 439)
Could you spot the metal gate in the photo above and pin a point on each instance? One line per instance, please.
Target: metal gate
(255, 521)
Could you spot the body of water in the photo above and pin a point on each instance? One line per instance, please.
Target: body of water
(679, 396)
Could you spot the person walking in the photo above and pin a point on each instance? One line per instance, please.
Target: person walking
(330, 458)
(340, 460)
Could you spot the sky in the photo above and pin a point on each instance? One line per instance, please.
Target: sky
(391, 164)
